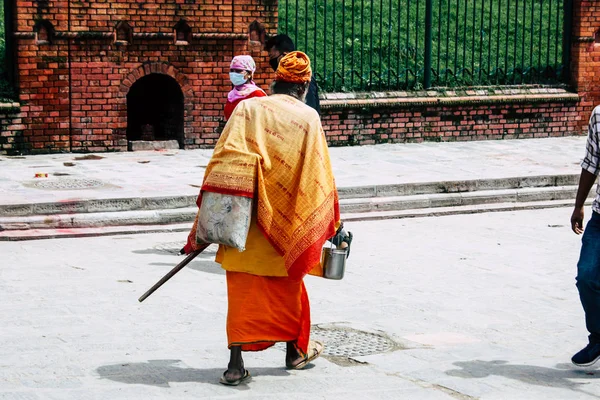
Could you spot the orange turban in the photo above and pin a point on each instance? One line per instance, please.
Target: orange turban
(294, 67)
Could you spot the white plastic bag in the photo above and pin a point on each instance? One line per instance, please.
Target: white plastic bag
(224, 219)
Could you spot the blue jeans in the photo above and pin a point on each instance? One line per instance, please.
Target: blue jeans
(588, 276)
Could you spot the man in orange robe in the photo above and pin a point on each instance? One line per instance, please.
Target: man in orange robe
(273, 150)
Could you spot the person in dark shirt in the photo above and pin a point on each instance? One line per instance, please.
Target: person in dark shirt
(280, 45)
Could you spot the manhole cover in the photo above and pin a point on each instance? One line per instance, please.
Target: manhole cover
(347, 342)
(67, 184)
(175, 247)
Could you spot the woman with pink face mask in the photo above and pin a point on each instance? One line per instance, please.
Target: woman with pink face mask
(240, 73)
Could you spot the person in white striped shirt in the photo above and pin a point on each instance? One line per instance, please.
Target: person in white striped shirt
(588, 266)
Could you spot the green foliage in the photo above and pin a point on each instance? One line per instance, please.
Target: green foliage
(380, 44)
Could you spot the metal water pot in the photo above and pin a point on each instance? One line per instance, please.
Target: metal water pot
(334, 262)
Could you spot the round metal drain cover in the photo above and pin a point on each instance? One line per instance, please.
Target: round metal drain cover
(68, 184)
(347, 342)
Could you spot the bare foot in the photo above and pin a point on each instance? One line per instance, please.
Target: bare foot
(234, 374)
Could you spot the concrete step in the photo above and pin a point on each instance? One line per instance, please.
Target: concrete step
(96, 220)
(393, 203)
(98, 206)
(55, 233)
(417, 188)
(347, 206)
(470, 209)
(109, 205)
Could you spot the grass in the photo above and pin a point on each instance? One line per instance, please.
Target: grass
(380, 44)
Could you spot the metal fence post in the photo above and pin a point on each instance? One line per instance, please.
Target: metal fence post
(566, 42)
(428, 44)
(10, 49)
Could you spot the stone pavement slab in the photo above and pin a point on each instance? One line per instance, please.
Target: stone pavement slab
(479, 306)
(174, 173)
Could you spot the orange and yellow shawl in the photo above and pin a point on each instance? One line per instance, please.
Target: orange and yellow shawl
(273, 149)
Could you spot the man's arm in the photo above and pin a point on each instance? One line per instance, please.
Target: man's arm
(590, 168)
(586, 181)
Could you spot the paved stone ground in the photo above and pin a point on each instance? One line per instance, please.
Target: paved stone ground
(480, 307)
(177, 173)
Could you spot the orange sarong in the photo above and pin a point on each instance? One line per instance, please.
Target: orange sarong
(264, 310)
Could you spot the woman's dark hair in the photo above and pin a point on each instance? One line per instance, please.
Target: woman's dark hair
(283, 43)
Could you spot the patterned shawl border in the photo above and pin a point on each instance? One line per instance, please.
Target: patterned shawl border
(311, 256)
(299, 263)
(312, 228)
(305, 253)
(231, 181)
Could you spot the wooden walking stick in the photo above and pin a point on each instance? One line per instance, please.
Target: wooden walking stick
(172, 272)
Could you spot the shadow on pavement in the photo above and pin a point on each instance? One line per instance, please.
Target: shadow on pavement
(208, 266)
(529, 374)
(162, 372)
(169, 249)
(160, 252)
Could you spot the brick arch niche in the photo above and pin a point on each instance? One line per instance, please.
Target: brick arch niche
(91, 76)
(158, 104)
(155, 109)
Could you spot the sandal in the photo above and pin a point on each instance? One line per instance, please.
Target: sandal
(315, 348)
(236, 382)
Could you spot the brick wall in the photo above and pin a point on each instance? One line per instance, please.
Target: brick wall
(73, 87)
(12, 140)
(443, 124)
(585, 57)
(450, 116)
(75, 74)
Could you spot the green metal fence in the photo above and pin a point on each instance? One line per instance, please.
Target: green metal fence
(358, 45)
